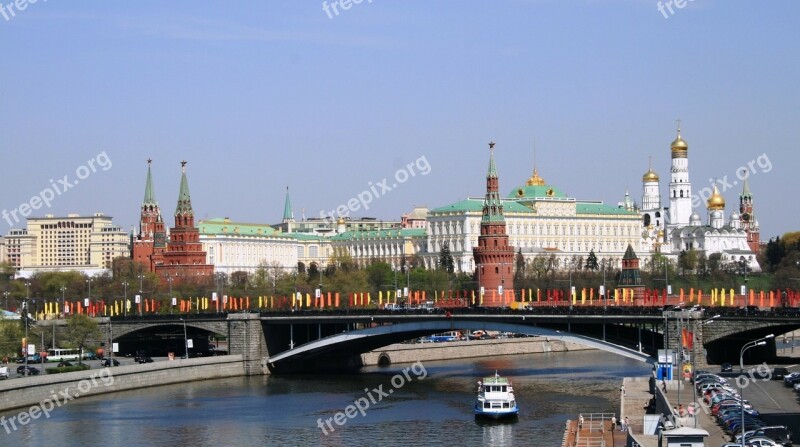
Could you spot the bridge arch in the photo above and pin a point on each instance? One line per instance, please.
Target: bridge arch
(161, 338)
(353, 343)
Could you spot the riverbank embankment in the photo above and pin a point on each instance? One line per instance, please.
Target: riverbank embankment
(454, 350)
(55, 390)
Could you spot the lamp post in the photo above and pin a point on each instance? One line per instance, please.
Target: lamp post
(141, 287)
(694, 371)
(185, 340)
(5, 294)
(754, 343)
(125, 300)
(25, 316)
(63, 301)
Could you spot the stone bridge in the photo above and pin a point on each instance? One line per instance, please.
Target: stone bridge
(300, 340)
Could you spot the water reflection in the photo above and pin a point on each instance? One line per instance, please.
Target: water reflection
(261, 411)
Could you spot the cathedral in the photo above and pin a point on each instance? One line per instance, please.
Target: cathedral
(671, 230)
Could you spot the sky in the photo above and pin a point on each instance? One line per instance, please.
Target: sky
(390, 104)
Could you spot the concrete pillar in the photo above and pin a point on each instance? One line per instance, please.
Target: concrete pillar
(246, 337)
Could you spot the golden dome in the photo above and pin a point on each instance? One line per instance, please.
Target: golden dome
(535, 180)
(650, 176)
(660, 233)
(679, 146)
(716, 201)
(340, 221)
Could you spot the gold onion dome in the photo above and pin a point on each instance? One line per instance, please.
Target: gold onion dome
(650, 176)
(716, 201)
(535, 180)
(679, 146)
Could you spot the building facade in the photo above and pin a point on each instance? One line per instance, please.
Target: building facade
(541, 221)
(238, 246)
(51, 243)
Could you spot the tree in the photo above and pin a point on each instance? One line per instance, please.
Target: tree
(80, 330)
(446, 259)
(687, 261)
(379, 275)
(591, 261)
(520, 266)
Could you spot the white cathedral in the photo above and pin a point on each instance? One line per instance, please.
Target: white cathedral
(677, 228)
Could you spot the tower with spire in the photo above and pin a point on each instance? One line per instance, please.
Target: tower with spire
(748, 218)
(494, 257)
(680, 189)
(150, 243)
(184, 259)
(288, 214)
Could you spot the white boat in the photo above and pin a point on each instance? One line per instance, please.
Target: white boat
(495, 398)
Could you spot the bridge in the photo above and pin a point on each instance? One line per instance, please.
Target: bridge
(312, 340)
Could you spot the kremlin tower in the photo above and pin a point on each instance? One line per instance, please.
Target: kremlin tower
(184, 259)
(494, 258)
(151, 241)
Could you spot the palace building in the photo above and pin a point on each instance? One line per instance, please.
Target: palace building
(541, 222)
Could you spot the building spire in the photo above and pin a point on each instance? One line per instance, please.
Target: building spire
(149, 195)
(288, 215)
(492, 168)
(746, 186)
(184, 198)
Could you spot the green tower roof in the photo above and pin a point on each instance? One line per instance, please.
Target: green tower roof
(149, 195)
(184, 198)
(287, 208)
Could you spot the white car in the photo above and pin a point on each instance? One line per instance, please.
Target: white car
(762, 442)
(3, 372)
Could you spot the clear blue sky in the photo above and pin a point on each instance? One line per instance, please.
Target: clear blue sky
(261, 95)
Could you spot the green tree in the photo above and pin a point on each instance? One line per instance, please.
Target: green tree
(519, 265)
(591, 261)
(379, 275)
(687, 261)
(446, 259)
(81, 330)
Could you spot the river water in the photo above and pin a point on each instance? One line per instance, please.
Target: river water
(429, 405)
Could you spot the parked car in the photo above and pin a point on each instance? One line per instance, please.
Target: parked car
(3, 372)
(778, 433)
(108, 362)
(27, 371)
(762, 442)
(63, 364)
(778, 373)
(791, 379)
(726, 367)
(145, 359)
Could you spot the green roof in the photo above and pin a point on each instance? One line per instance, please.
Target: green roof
(381, 234)
(226, 226)
(601, 208)
(476, 205)
(530, 192)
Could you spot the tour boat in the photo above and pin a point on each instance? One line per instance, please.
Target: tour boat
(495, 398)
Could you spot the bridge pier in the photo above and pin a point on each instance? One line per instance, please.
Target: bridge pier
(246, 337)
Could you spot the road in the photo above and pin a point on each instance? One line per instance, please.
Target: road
(93, 364)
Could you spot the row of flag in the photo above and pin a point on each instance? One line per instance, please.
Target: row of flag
(450, 298)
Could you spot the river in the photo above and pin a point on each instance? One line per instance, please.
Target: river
(429, 405)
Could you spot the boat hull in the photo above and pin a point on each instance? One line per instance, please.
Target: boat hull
(499, 414)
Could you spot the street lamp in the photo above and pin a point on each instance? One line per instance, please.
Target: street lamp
(5, 294)
(63, 301)
(694, 367)
(141, 287)
(185, 340)
(754, 343)
(125, 300)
